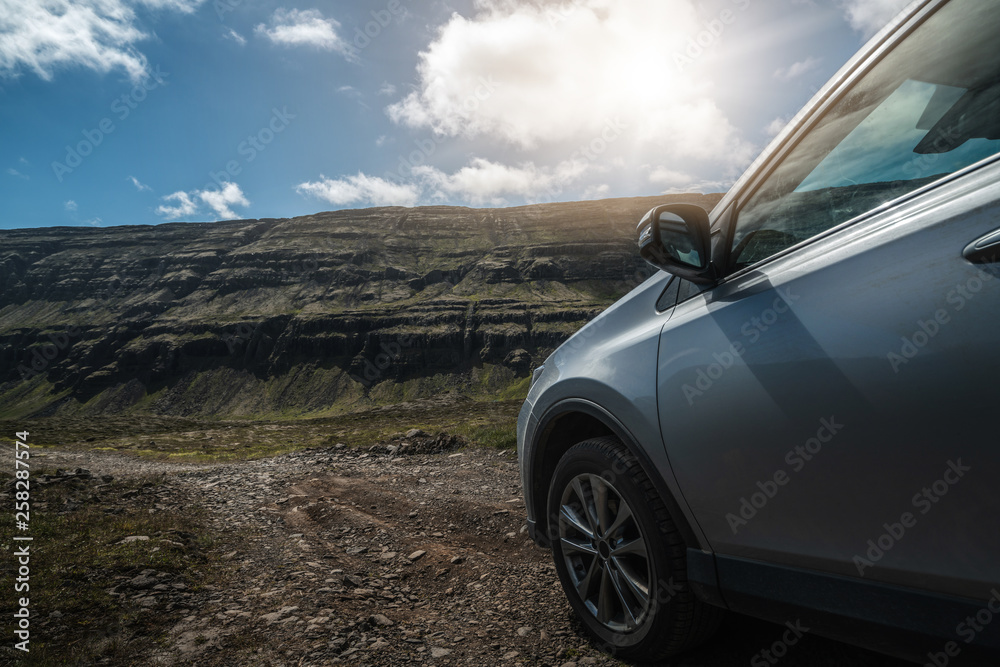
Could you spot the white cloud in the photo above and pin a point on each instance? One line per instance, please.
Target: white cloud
(304, 27)
(665, 176)
(776, 126)
(95, 222)
(362, 189)
(596, 191)
(141, 187)
(183, 6)
(43, 37)
(701, 186)
(185, 206)
(354, 94)
(480, 182)
(235, 36)
(387, 89)
(795, 70)
(677, 182)
(14, 172)
(530, 74)
(219, 201)
(870, 16)
(486, 182)
(382, 140)
(70, 205)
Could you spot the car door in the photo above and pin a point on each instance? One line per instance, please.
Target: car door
(829, 405)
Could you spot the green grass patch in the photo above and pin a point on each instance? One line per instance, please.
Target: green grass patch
(77, 557)
(500, 436)
(488, 422)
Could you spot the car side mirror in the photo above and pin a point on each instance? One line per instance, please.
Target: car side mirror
(676, 239)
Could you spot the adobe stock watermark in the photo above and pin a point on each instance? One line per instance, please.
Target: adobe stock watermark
(752, 331)
(709, 36)
(967, 630)
(253, 146)
(796, 458)
(363, 36)
(122, 107)
(389, 353)
(610, 133)
(664, 593)
(779, 649)
(107, 296)
(589, 152)
(42, 356)
(223, 7)
(923, 501)
(243, 333)
(303, 271)
(927, 330)
(559, 13)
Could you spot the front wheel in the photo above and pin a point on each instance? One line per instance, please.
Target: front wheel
(620, 557)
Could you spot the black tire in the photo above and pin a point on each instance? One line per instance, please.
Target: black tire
(604, 570)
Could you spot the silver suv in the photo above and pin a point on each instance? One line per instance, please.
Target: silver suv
(795, 419)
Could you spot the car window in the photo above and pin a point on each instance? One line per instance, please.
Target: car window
(668, 299)
(687, 290)
(928, 109)
(677, 291)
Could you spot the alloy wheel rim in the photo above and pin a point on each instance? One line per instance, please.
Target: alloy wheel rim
(605, 553)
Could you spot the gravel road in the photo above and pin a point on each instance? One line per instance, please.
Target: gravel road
(411, 552)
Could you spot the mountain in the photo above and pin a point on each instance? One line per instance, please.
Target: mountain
(312, 315)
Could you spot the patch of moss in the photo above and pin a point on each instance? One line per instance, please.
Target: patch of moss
(28, 397)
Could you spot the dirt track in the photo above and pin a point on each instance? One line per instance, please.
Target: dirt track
(384, 557)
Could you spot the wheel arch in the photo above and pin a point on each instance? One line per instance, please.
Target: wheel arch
(567, 423)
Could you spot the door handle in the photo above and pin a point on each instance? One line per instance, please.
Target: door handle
(985, 250)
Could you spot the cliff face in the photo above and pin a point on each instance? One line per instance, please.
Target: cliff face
(308, 315)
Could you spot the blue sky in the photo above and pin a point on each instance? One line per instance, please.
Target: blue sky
(145, 111)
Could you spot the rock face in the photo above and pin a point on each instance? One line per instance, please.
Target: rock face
(305, 315)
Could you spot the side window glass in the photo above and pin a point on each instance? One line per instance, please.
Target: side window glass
(687, 290)
(928, 109)
(669, 297)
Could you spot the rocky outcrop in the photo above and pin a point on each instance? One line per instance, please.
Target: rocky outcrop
(304, 314)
